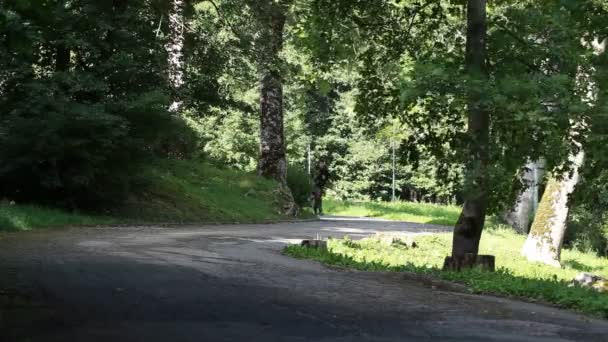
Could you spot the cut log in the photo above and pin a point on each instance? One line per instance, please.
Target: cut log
(469, 261)
(314, 244)
(396, 239)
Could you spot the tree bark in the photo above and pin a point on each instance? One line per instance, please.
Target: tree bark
(546, 236)
(521, 214)
(273, 162)
(62, 58)
(467, 231)
(175, 54)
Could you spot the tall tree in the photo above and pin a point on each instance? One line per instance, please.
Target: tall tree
(175, 53)
(547, 233)
(467, 231)
(270, 16)
(546, 236)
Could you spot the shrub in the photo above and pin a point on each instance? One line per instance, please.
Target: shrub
(59, 149)
(300, 184)
(587, 231)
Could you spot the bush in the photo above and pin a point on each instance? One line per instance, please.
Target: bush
(587, 231)
(300, 184)
(60, 150)
(588, 222)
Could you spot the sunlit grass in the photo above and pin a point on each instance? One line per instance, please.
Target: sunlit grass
(190, 191)
(171, 191)
(402, 211)
(515, 276)
(28, 217)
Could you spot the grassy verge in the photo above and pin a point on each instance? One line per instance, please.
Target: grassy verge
(186, 191)
(402, 211)
(28, 217)
(515, 277)
(169, 191)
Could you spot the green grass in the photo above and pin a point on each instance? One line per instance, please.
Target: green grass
(402, 211)
(28, 217)
(186, 191)
(169, 191)
(515, 276)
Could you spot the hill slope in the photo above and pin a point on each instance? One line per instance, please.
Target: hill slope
(169, 191)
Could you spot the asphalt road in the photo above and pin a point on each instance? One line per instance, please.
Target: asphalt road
(230, 283)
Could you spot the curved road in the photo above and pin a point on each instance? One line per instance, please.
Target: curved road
(230, 283)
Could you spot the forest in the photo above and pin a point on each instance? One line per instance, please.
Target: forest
(489, 106)
(477, 127)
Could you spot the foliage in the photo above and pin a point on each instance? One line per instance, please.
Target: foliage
(515, 276)
(300, 184)
(588, 221)
(446, 215)
(85, 81)
(88, 80)
(587, 231)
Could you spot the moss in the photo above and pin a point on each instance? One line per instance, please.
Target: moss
(541, 227)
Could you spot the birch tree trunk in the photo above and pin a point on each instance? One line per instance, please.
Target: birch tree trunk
(467, 231)
(175, 53)
(546, 236)
(520, 215)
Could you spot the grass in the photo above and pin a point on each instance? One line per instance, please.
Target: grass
(515, 276)
(402, 211)
(186, 191)
(169, 191)
(28, 217)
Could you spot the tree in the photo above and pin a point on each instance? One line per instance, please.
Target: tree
(467, 232)
(522, 212)
(270, 16)
(86, 78)
(175, 54)
(544, 243)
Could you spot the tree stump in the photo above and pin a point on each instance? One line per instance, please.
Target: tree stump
(320, 244)
(469, 261)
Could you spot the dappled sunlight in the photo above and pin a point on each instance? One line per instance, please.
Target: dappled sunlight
(397, 211)
(515, 276)
(275, 240)
(355, 218)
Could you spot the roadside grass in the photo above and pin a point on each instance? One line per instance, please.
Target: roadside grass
(190, 192)
(168, 191)
(402, 211)
(27, 217)
(515, 276)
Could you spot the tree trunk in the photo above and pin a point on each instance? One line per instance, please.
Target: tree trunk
(467, 231)
(271, 16)
(546, 236)
(520, 215)
(272, 163)
(175, 54)
(62, 58)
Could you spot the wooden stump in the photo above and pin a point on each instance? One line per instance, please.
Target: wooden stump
(482, 262)
(314, 244)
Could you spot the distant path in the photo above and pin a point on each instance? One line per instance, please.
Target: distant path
(230, 283)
